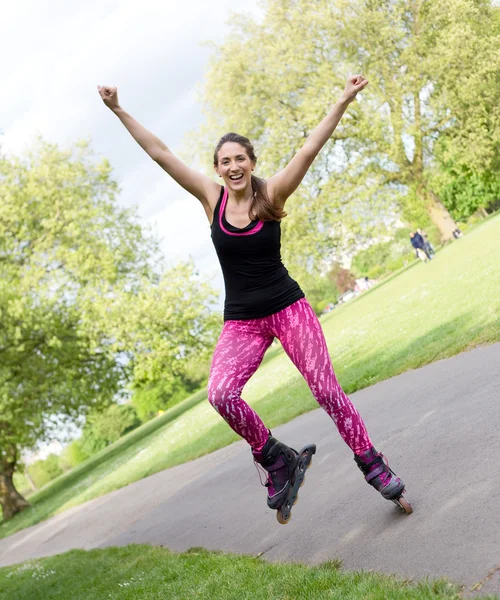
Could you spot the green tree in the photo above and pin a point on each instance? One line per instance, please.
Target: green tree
(284, 73)
(320, 291)
(72, 455)
(66, 249)
(468, 150)
(90, 443)
(465, 191)
(105, 427)
(436, 76)
(372, 258)
(167, 328)
(115, 421)
(384, 257)
(43, 471)
(157, 395)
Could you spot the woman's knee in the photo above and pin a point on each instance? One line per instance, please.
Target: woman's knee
(218, 395)
(213, 396)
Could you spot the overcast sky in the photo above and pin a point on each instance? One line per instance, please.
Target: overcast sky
(55, 52)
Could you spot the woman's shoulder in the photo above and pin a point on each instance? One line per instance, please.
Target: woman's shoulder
(215, 203)
(214, 196)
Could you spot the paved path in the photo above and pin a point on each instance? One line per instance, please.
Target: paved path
(438, 425)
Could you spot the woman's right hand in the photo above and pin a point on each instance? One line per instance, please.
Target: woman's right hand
(109, 95)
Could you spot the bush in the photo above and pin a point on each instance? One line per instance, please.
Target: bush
(22, 483)
(343, 279)
(72, 455)
(385, 257)
(319, 291)
(104, 428)
(115, 421)
(371, 260)
(376, 272)
(43, 471)
(464, 191)
(90, 443)
(399, 263)
(157, 396)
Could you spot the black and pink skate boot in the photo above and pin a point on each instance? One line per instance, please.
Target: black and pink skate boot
(286, 469)
(378, 474)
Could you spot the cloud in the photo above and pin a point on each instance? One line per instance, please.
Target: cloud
(151, 49)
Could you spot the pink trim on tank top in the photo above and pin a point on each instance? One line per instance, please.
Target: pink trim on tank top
(257, 228)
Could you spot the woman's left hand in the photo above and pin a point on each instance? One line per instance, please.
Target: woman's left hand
(354, 84)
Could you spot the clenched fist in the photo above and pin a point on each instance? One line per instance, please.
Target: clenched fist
(109, 95)
(354, 85)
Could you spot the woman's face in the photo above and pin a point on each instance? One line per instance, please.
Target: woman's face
(234, 166)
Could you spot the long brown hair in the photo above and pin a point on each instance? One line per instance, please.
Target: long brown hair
(261, 206)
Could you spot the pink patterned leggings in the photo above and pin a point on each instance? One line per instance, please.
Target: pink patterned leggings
(240, 351)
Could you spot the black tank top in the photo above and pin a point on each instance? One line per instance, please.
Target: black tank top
(256, 281)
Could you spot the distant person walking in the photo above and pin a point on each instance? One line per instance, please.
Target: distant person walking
(263, 302)
(417, 242)
(427, 245)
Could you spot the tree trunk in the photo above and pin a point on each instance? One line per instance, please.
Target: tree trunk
(438, 213)
(10, 499)
(441, 217)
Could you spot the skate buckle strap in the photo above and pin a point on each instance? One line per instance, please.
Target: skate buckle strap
(276, 466)
(375, 473)
(382, 468)
(366, 468)
(375, 461)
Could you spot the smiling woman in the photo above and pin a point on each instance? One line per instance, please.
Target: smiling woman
(263, 302)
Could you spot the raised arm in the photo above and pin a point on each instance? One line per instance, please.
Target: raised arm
(197, 184)
(282, 185)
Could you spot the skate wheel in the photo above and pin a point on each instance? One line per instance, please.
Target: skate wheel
(284, 513)
(303, 470)
(404, 505)
(281, 517)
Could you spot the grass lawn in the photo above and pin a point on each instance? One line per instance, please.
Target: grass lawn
(146, 573)
(428, 312)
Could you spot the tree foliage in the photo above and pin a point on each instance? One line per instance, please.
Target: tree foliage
(72, 455)
(158, 395)
(276, 80)
(320, 291)
(166, 325)
(342, 278)
(115, 421)
(65, 247)
(105, 427)
(465, 191)
(83, 306)
(383, 257)
(43, 471)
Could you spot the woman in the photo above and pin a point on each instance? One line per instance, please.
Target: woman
(263, 301)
